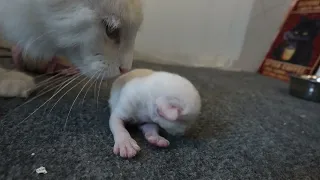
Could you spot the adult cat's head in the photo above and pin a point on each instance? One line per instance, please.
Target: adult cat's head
(115, 24)
(95, 35)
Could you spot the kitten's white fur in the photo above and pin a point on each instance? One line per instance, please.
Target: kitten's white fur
(73, 29)
(138, 96)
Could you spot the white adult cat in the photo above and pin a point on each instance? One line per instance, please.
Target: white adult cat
(95, 35)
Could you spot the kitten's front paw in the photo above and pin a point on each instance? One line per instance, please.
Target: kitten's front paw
(126, 147)
(16, 84)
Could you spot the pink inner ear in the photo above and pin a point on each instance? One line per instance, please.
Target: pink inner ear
(170, 113)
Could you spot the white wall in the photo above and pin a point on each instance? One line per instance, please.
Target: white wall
(194, 32)
(212, 33)
(266, 19)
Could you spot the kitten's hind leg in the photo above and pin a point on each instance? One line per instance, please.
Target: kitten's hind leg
(151, 133)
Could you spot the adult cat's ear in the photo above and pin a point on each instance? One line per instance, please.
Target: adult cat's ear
(166, 109)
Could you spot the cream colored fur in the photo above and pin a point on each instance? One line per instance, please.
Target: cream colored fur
(15, 83)
(121, 81)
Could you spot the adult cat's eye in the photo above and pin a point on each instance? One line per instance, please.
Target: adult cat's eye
(113, 33)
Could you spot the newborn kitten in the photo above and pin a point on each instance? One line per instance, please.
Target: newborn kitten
(151, 99)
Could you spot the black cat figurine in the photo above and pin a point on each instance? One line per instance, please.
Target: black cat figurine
(297, 47)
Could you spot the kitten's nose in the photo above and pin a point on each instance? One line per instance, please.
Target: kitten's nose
(123, 70)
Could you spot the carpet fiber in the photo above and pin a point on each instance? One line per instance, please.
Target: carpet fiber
(250, 128)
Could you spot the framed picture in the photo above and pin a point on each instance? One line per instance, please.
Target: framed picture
(296, 48)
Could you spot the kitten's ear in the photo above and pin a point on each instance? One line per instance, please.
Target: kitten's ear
(166, 110)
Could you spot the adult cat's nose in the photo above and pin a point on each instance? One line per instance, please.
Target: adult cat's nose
(123, 70)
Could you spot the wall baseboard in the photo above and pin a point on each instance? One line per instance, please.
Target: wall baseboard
(218, 61)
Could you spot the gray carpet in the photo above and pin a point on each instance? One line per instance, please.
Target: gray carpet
(250, 128)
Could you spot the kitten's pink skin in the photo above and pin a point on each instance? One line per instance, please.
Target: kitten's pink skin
(151, 133)
(124, 145)
(157, 140)
(136, 95)
(53, 66)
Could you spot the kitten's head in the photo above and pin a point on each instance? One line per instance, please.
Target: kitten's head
(104, 36)
(176, 102)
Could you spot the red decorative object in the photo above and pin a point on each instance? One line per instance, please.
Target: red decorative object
(296, 48)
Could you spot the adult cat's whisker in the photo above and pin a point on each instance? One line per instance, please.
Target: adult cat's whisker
(47, 84)
(66, 93)
(30, 100)
(45, 88)
(54, 79)
(65, 124)
(58, 73)
(52, 86)
(88, 89)
(95, 86)
(46, 80)
(100, 88)
(70, 78)
(60, 85)
(64, 81)
(48, 100)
